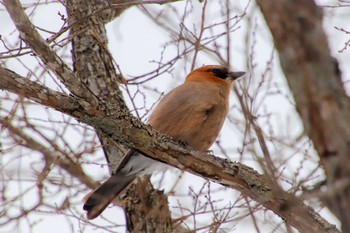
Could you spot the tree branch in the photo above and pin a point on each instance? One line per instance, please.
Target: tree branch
(51, 60)
(93, 65)
(126, 129)
(12, 82)
(319, 94)
(56, 157)
(112, 9)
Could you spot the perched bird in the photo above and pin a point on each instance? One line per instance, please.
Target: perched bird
(193, 112)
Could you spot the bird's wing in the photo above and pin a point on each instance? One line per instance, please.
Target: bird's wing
(182, 113)
(136, 163)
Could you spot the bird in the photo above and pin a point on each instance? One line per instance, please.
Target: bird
(193, 113)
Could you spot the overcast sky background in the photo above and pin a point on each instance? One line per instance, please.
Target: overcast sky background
(135, 41)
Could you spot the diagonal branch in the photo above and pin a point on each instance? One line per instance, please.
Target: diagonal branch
(56, 157)
(12, 82)
(93, 65)
(51, 60)
(129, 131)
(314, 78)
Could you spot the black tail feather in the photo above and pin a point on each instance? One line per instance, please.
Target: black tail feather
(98, 201)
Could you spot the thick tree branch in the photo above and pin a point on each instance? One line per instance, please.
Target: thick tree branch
(146, 209)
(12, 82)
(40, 47)
(129, 131)
(319, 94)
(111, 9)
(93, 65)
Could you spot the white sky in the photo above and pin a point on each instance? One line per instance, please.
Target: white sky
(135, 41)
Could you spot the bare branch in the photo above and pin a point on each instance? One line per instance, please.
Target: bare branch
(34, 40)
(128, 130)
(62, 160)
(319, 93)
(10, 81)
(94, 78)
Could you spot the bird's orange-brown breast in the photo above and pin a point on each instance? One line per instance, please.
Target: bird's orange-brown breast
(193, 112)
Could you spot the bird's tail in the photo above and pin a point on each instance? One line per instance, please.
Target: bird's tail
(98, 201)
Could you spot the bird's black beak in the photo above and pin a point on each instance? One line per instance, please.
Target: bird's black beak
(235, 75)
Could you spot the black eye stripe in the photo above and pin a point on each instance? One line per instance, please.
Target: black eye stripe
(215, 70)
(220, 73)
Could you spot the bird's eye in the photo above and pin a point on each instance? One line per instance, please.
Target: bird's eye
(216, 70)
(220, 73)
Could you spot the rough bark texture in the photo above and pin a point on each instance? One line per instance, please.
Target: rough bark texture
(146, 209)
(320, 97)
(93, 65)
(127, 130)
(123, 128)
(44, 51)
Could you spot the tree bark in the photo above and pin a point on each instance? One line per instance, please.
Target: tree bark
(146, 209)
(127, 130)
(320, 97)
(93, 65)
(121, 127)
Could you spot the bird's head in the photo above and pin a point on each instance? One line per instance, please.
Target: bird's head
(215, 74)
